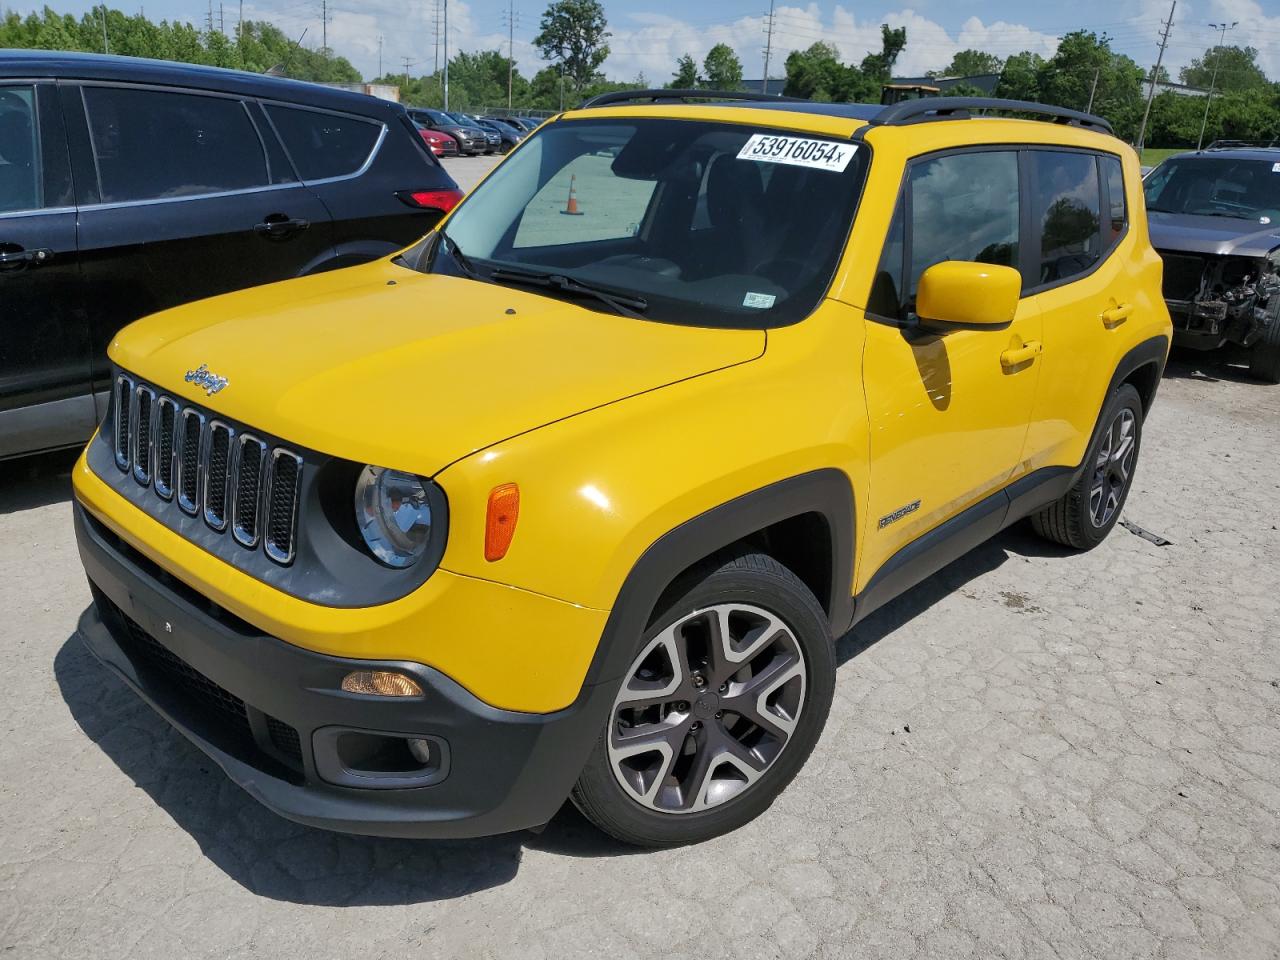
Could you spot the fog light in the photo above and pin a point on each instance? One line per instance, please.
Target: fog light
(381, 683)
(421, 750)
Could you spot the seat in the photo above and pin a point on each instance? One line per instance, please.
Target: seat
(735, 208)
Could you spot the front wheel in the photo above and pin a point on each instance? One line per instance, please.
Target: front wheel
(1264, 358)
(722, 704)
(1085, 515)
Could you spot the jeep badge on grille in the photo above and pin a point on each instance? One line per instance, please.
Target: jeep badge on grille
(202, 377)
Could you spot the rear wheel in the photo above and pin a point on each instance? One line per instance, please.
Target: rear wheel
(720, 707)
(1264, 358)
(1085, 515)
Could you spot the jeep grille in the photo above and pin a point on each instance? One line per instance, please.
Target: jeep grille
(231, 480)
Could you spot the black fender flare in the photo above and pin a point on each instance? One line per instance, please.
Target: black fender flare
(826, 492)
(1151, 352)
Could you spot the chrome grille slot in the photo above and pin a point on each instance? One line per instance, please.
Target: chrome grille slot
(211, 469)
(162, 470)
(216, 474)
(189, 460)
(283, 482)
(251, 458)
(123, 418)
(140, 439)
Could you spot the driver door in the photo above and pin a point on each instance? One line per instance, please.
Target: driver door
(948, 412)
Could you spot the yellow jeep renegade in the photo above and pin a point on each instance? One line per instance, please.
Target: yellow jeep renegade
(572, 498)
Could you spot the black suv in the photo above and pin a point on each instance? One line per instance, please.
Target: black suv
(128, 186)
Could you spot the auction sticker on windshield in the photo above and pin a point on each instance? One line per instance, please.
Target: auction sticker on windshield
(798, 152)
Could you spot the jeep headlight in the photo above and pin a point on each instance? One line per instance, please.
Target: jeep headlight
(393, 512)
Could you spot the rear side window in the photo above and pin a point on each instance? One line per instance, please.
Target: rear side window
(324, 145)
(1066, 210)
(153, 145)
(1113, 175)
(20, 178)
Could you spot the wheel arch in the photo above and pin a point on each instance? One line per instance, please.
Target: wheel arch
(806, 523)
(1142, 367)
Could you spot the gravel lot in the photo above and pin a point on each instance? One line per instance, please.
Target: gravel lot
(1029, 755)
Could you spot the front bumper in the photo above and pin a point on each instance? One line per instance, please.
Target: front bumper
(267, 712)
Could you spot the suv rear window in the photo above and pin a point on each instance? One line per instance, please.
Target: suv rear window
(152, 144)
(324, 145)
(1066, 208)
(19, 153)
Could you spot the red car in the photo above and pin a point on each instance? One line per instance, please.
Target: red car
(441, 144)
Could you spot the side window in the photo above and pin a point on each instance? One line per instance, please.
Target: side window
(20, 176)
(152, 144)
(1113, 174)
(962, 207)
(617, 205)
(1066, 211)
(324, 145)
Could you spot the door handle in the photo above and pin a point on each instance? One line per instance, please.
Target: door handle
(279, 227)
(17, 259)
(1016, 356)
(1116, 315)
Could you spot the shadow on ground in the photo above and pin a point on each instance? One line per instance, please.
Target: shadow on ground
(36, 481)
(1210, 366)
(276, 858)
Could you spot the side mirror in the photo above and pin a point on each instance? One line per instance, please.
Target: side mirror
(968, 294)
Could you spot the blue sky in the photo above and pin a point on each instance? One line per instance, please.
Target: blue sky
(648, 35)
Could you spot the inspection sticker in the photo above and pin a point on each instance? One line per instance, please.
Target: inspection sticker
(798, 152)
(1275, 168)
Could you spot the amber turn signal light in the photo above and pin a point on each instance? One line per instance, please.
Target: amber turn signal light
(381, 683)
(500, 522)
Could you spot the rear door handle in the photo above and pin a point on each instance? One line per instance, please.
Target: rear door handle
(279, 227)
(1016, 356)
(1116, 315)
(17, 259)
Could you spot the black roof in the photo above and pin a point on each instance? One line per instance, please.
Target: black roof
(35, 64)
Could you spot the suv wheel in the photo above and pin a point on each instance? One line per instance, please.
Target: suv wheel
(1083, 518)
(1264, 358)
(722, 704)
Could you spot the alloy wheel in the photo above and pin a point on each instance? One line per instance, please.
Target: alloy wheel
(1113, 468)
(707, 708)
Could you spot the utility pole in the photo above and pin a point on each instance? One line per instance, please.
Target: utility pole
(1093, 90)
(768, 47)
(208, 19)
(511, 48)
(325, 17)
(240, 33)
(446, 56)
(379, 55)
(407, 64)
(1213, 82)
(1155, 72)
(435, 33)
(106, 45)
(222, 20)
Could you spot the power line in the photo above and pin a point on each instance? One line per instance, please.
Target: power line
(408, 62)
(768, 46)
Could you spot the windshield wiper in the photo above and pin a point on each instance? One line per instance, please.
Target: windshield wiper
(460, 258)
(626, 304)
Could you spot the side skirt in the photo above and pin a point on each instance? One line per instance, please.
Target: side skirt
(949, 541)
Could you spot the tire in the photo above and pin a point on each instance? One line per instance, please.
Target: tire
(780, 668)
(1085, 515)
(1264, 358)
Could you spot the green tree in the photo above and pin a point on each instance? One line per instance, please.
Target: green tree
(574, 33)
(723, 68)
(686, 76)
(1067, 80)
(1020, 78)
(1237, 68)
(970, 63)
(879, 66)
(963, 90)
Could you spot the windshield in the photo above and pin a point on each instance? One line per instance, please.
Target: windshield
(707, 224)
(439, 117)
(1216, 186)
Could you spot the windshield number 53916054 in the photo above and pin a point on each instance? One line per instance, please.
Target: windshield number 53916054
(797, 151)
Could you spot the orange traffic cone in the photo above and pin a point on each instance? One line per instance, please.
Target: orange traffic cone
(571, 208)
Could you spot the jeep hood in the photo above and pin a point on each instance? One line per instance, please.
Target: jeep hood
(384, 365)
(1221, 236)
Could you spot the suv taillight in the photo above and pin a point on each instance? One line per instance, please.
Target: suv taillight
(442, 200)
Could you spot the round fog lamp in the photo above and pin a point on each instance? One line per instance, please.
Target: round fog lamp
(393, 514)
(381, 683)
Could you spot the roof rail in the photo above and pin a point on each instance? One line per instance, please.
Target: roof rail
(672, 96)
(961, 108)
(1238, 144)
